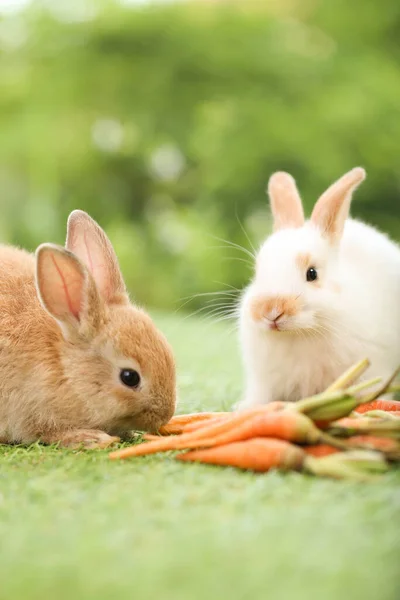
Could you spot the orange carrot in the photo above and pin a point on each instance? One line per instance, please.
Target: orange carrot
(263, 454)
(389, 446)
(289, 426)
(257, 454)
(213, 429)
(320, 450)
(176, 424)
(262, 409)
(379, 404)
(188, 428)
(285, 425)
(170, 429)
(191, 417)
(199, 424)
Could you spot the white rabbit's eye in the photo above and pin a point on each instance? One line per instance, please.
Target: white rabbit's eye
(129, 377)
(312, 274)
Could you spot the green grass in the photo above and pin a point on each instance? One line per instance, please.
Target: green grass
(77, 526)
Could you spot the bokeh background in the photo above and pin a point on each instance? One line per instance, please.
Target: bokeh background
(164, 121)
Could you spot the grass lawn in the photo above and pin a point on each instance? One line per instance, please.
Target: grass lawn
(78, 526)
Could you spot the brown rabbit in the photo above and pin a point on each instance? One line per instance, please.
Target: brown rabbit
(79, 364)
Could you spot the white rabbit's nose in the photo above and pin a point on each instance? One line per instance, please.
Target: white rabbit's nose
(274, 314)
(273, 319)
(274, 307)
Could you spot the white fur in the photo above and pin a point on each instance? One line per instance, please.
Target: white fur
(354, 314)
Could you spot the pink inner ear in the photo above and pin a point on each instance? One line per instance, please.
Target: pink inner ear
(89, 256)
(69, 291)
(61, 282)
(95, 257)
(88, 241)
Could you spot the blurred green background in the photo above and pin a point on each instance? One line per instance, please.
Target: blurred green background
(165, 122)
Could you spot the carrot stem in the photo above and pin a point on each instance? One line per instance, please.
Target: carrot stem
(361, 465)
(349, 376)
(382, 414)
(359, 387)
(382, 389)
(370, 426)
(325, 438)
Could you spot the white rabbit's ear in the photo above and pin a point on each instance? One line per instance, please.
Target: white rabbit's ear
(285, 201)
(333, 207)
(66, 289)
(87, 240)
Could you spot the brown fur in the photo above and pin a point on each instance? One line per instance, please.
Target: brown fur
(262, 307)
(59, 368)
(286, 205)
(303, 261)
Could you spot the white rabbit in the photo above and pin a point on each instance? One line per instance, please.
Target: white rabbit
(326, 293)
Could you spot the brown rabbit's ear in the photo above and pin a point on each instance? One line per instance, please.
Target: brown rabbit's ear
(87, 240)
(66, 289)
(333, 207)
(285, 201)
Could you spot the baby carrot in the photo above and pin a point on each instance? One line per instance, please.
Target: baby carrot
(176, 424)
(283, 424)
(320, 450)
(257, 454)
(263, 454)
(379, 404)
(190, 427)
(388, 446)
(191, 417)
(167, 429)
(256, 410)
(192, 421)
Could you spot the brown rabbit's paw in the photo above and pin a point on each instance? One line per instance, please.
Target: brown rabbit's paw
(88, 439)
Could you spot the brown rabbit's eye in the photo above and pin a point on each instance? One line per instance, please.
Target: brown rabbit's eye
(129, 377)
(312, 274)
